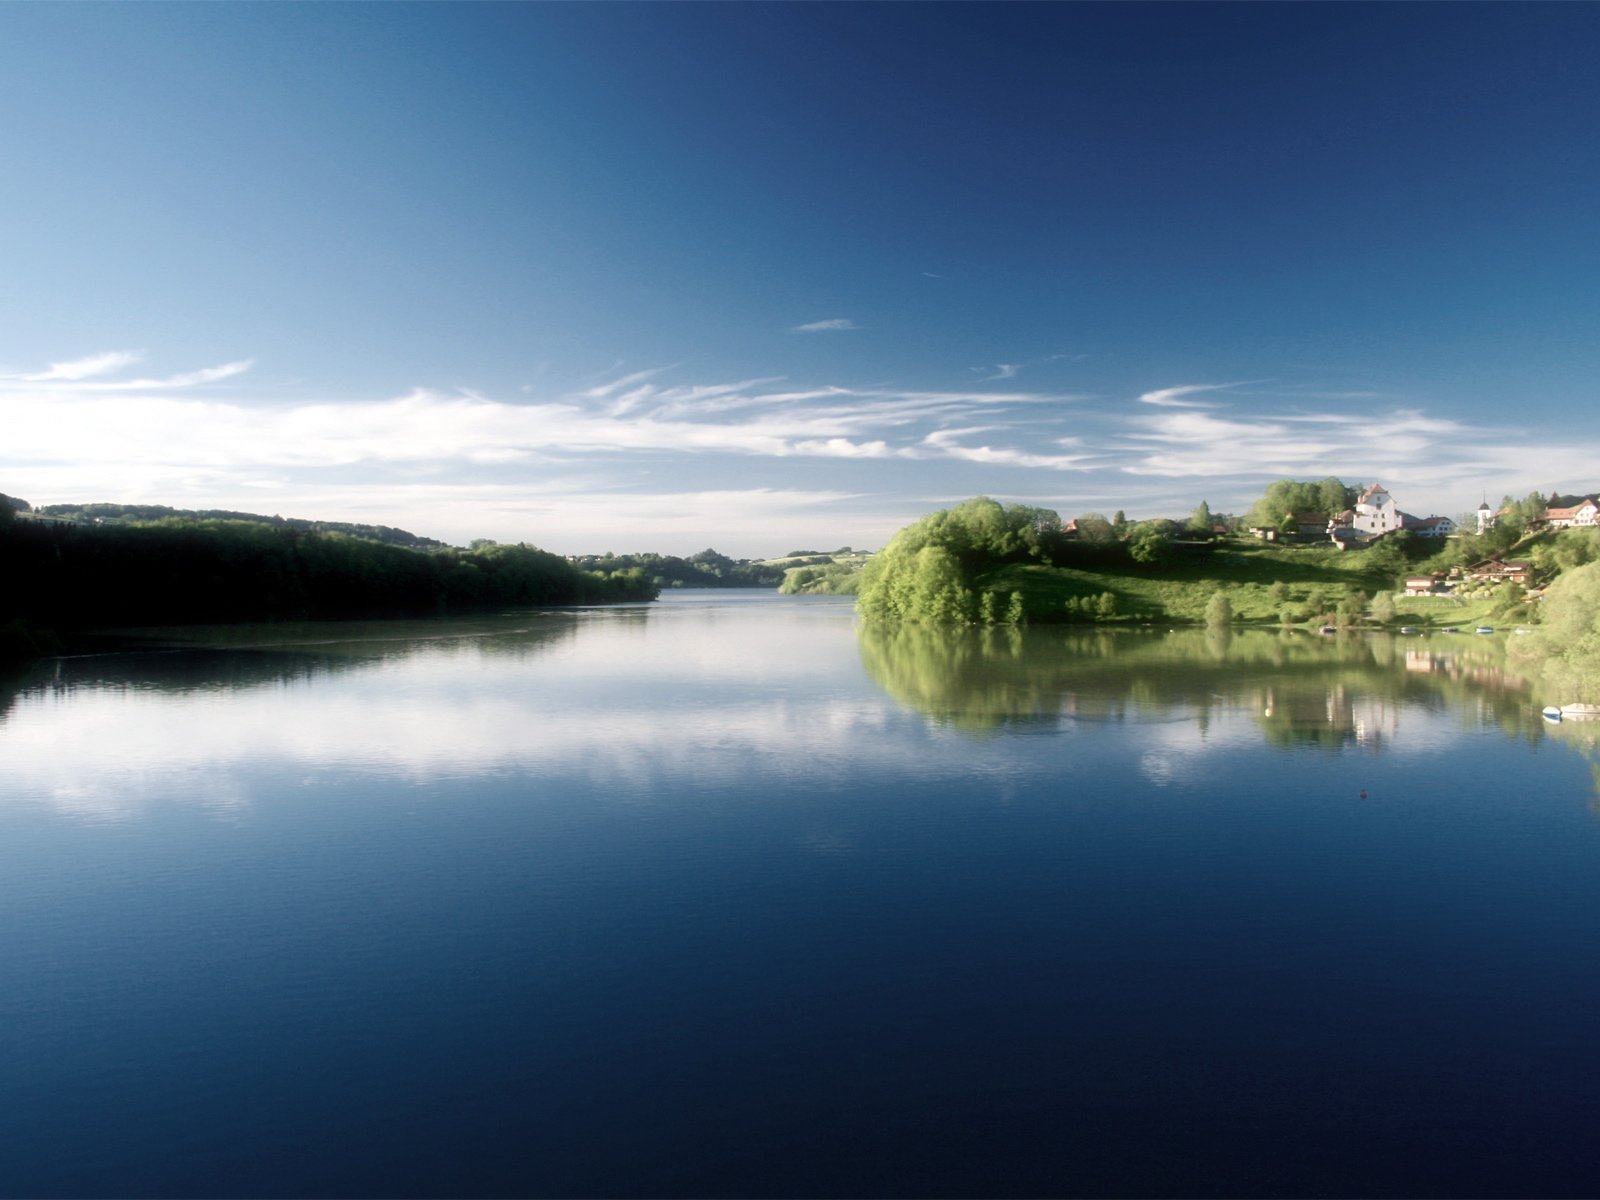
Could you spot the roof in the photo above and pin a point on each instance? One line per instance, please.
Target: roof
(1371, 488)
(1562, 513)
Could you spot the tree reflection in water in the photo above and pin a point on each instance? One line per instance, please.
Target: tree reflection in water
(1336, 692)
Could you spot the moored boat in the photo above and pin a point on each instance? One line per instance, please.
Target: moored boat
(1580, 712)
(1485, 628)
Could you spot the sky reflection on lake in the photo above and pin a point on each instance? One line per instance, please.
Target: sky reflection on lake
(724, 896)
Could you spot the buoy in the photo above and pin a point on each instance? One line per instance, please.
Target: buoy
(1363, 795)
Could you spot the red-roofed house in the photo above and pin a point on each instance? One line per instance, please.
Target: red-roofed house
(1584, 513)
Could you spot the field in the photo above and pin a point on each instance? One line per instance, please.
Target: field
(834, 574)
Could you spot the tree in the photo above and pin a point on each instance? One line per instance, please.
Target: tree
(1284, 496)
(1106, 606)
(1016, 613)
(1094, 528)
(1288, 525)
(1219, 609)
(1279, 591)
(1201, 521)
(1119, 524)
(1332, 496)
(1149, 545)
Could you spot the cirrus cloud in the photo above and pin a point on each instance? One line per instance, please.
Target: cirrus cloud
(826, 326)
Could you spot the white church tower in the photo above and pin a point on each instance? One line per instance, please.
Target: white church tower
(1485, 517)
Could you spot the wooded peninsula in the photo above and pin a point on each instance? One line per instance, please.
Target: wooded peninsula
(59, 576)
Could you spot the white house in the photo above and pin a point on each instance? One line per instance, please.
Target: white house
(1428, 527)
(1376, 512)
(1586, 512)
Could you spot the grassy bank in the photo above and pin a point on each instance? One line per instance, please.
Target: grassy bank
(834, 574)
(1260, 582)
(980, 563)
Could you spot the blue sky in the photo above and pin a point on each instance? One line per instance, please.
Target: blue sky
(607, 276)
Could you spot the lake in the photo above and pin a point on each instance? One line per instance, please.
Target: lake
(724, 896)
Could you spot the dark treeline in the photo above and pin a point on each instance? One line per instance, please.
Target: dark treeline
(706, 569)
(59, 578)
(92, 513)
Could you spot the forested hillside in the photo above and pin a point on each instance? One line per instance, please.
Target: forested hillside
(143, 513)
(57, 578)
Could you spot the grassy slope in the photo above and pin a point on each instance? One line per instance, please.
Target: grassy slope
(1246, 570)
(822, 574)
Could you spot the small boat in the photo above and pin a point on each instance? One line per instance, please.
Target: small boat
(1580, 712)
(1408, 629)
(1520, 629)
(1485, 628)
(1449, 629)
(1551, 713)
(1329, 629)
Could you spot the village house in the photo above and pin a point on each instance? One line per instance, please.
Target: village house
(1429, 527)
(1427, 585)
(1493, 570)
(1584, 513)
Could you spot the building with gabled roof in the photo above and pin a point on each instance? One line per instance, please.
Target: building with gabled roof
(1582, 514)
(1493, 570)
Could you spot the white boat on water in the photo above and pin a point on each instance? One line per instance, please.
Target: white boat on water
(1572, 712)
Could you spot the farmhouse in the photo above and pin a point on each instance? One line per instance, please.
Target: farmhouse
(1312, 524)
(1492, 570)
(1584, 513)
(1427, 585)
(1428, 527)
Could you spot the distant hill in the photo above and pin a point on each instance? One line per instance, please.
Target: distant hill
(123, 513)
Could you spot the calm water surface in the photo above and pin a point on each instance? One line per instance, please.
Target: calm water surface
(724, 897)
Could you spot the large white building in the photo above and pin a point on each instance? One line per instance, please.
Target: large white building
(1376, 512)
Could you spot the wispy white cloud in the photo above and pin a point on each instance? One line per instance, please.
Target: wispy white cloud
(826, 326)
(1173, 397)
(144, 444)
(72, 376)
(426, 456)
(83, 368)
